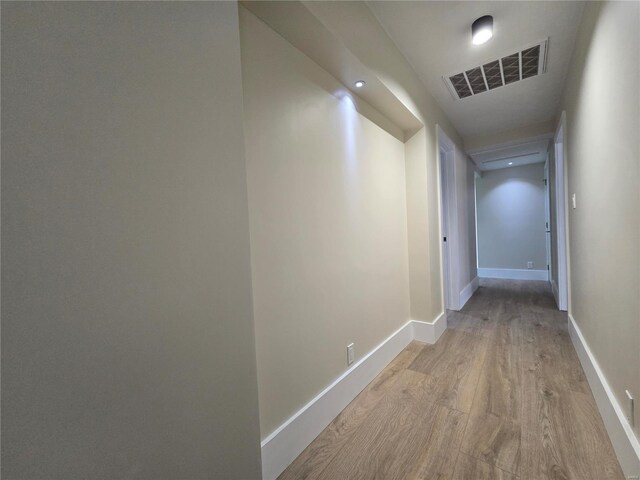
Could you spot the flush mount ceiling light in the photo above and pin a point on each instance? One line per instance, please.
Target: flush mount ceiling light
(482, 30)
(510, 163)
(360, 83)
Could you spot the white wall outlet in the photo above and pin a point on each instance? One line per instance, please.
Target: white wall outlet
(529, 265)
(630, 413)
(350, 354)
(573, 201)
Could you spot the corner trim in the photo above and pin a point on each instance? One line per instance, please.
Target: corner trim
(468, 291)
(624, 441)
(513, 273)
(429, 332)
(285, 443)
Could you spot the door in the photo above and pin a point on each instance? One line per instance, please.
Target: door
(446, 241)
(561, 290)
(448, 224)
(547, 216)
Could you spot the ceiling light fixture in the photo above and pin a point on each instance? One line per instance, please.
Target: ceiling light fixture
(510, 163)
(360, 83)
(482, 30)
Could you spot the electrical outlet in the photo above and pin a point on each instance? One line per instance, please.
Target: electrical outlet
(350, 354)
(630, 415)
(529, 265)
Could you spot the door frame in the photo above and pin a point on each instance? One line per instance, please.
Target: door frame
(448, 209)
(547, 218)
(561, 290)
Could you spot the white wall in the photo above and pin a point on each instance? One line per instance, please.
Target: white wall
(127, 332)
(510, 137)
(553, 205)
(603, 152)
(511, 218)
(328, 215)
(465, 193)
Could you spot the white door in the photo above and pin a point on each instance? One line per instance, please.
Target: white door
(547, 216)
(445, 230)
(561, 290)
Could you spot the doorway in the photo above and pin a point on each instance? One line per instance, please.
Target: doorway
(559, 279)
(547, 216)
(448, 220)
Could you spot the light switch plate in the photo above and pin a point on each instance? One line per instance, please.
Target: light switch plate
(350, 354)
(573, 201)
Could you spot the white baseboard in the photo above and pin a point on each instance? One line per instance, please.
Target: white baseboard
(513, 273)
(429, 332)
(468, 291)
(289, 440)
(625, 443)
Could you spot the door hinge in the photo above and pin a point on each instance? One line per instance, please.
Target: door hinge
(444, 239)
(545, 182)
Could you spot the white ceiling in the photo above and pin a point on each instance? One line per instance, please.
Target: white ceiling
(435, 37)
(294, 22)
(522, 153)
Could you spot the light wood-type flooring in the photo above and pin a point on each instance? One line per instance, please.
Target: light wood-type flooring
(500, 396)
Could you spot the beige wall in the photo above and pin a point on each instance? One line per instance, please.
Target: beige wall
(328, 216)
(511, 217)
(603, 151)
(127, 333)
(355, 25)
(418, 236)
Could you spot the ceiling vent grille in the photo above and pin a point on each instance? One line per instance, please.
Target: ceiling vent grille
(526, 63)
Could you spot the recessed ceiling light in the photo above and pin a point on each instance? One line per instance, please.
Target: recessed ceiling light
(360, 83)
(482, 30)
(510, 163)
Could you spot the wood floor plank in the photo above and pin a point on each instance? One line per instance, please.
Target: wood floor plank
(313, 460)
(494, 440)
(582, 435)
(407, 437)
(493, 430)
(380, 440)
(547, 348)
(454, 365)
(499, 389)
(469, 468)
(475, 323)
(437, 448)
(563, 435)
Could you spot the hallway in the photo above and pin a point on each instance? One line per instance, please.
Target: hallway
(251, 240)
(501, 395)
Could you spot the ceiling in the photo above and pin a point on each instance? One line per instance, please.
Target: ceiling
(512, 155)
(294, 22)
(435, 37)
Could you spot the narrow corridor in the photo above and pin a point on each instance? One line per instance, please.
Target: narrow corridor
(501, 395)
